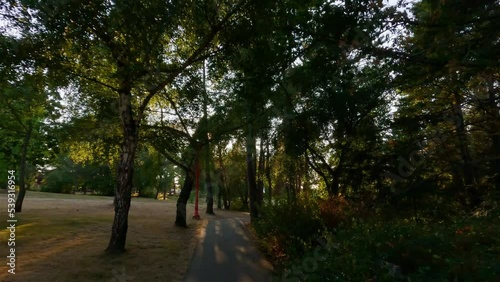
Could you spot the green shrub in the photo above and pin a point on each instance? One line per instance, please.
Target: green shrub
(466, 249)
(237, 204)
(287, 228)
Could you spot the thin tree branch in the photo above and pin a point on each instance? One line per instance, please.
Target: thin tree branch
(95, 80)
(174, 105)
(195, 57)
(16, 115)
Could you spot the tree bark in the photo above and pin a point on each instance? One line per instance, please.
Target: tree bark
(187, 187)
(22, 171)
(159, 179)
(268, 173)
(125, 175)
(208, 181)
(260, 182)
(305, 173)
(333, 174)
(493, 132)
(326, 178)
(467, 170)
(219, 199)
(223, 191)
(210, 195)
(251, 177)
(158, 189)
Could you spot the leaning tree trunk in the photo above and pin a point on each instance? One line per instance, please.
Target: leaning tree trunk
(181, 213)
(189, 178)
(22, 172)
(123, 189)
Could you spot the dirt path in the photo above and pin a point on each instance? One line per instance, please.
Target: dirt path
(225, 253)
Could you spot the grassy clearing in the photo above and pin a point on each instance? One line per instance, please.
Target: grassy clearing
(62, 238)
(48, 195)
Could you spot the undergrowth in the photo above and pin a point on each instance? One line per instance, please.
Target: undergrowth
(328, 240)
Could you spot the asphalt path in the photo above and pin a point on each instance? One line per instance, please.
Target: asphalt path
(225, 253)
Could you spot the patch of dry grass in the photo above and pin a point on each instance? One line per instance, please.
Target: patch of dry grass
(63, 237)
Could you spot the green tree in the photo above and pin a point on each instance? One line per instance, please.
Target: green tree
(26, 110)
(448, 88)
(133, 48)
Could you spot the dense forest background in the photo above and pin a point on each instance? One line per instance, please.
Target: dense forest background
(368, 131)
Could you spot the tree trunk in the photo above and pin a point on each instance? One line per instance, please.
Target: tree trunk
(219, 185)
(210, 196)
(223, 192)
(164, 192)
(260, 182)
(305, 172)
(493, 132)
(268, 173)
(22, 172)
(159, 178)
(187, 187)
(333, 174)
(208, 181)
(251, 177)
(219, 199)
(158, 189)
(125, 175)
(467, 169)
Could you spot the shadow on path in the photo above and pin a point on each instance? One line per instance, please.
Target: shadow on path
(224, 253)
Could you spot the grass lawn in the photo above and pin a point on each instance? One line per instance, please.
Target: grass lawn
(62, 237)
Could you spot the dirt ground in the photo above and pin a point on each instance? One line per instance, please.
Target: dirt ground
(63, 237)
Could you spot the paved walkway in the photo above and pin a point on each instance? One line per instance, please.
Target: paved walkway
(226, 254)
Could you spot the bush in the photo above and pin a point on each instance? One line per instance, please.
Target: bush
(413, 246)
(57, 181)
(237, 204)
(466, 249)
(287, 228)
(333, 211)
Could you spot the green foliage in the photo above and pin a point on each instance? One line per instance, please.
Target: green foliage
(238, 204)
(69, 177)
(235, 177)
(146, 175)
(58, 181)
(342, 92)
(152, 173)
(287, 227)
(100, 178)
(463, 248)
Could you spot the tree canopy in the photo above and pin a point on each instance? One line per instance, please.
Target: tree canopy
(390, 106)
